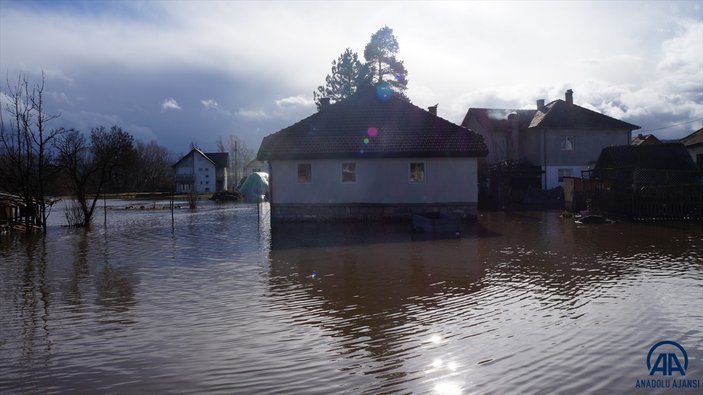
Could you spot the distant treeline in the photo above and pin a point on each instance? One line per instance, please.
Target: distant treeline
(38, 162)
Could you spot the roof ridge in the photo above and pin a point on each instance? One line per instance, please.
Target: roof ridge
(563, 114)
(371, 125)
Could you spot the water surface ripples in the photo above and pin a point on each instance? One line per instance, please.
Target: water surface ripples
(215, 301)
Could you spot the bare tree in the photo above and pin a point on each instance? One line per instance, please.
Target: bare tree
(75, 159)
(153, 167)
(25, 145)
(91, 167)
(239, 156)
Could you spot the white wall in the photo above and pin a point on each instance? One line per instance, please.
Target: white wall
(587, 145)
(202, 170)
(552, 174)
(205, 175)
(377, 181)
(694, 151)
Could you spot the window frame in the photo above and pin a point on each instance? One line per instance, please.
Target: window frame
(410, 172)
(567, 143)
(341, 173)
(309, 176)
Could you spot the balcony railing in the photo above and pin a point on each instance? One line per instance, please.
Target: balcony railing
(185, 178)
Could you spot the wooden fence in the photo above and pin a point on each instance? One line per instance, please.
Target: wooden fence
(677, 196)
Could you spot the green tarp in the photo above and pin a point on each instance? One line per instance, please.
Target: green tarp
(254, 187)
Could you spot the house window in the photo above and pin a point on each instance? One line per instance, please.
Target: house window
(567, 143)
(561, 173)
(349, 172)
(304, 173)
(417, 172)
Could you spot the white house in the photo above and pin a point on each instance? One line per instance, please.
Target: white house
(201, 172)
(371, 156)
(560, 137)
(694, 145)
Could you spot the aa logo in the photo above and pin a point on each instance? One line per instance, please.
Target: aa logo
(667, 357)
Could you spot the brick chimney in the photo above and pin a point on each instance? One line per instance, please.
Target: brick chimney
(540, 104)
(433, 109)
(570, 96)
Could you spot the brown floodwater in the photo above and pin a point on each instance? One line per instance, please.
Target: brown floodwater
(216, 301)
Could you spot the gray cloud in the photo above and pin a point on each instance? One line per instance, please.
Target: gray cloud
(250, 69)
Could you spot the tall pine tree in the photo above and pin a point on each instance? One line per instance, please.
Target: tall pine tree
(347, 75)
(380, 54)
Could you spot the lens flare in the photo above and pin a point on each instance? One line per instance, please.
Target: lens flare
(366, 140)
(372, 132)
(384, 91)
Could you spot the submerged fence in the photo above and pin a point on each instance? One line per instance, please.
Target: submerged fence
(643, 194)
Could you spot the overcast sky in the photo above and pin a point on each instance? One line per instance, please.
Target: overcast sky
(180, 71)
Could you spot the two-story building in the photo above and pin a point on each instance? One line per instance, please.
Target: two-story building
(199, 172)
(560, 137)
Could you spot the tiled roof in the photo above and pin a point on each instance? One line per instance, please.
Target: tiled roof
(220, 159)
(371, 124)
(645, 139)
(670, 156)
(561, 115)
(494, 119)
(694, 138)
(192, 151)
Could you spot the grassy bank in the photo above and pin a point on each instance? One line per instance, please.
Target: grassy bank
(151, 195)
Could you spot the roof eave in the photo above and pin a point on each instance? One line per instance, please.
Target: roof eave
(373, 155)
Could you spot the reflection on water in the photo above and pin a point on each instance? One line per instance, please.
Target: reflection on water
(217, 302)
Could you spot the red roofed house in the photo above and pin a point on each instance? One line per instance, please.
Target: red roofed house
(371, 156)
(560, 137)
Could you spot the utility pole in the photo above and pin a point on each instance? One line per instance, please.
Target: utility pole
(236, 164)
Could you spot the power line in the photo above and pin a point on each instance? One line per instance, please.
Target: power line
(676, 124)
